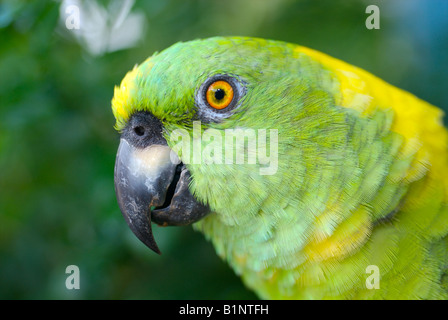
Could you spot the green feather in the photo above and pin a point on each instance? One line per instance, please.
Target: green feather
(341, 174)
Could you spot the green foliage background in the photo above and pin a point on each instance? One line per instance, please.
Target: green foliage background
(57, 142)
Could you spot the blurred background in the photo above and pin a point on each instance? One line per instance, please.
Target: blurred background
(58, 145)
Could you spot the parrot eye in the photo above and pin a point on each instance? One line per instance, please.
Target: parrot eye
(218, 95)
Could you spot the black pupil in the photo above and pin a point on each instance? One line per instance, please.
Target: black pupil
(219, 94)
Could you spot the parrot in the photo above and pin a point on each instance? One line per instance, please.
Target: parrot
(312, 178)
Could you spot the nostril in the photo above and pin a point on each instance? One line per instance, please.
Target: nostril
(139, 130)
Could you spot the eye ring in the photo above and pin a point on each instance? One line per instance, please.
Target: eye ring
(219, 94)
(226, 103)
(208, 94)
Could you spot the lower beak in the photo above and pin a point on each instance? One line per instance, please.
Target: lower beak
(152, 184)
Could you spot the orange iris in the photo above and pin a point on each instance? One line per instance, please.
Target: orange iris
(219, 94)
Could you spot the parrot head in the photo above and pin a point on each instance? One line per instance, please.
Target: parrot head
(230, 101)
(301, 169)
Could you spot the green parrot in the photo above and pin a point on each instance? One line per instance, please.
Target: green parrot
(312, 178)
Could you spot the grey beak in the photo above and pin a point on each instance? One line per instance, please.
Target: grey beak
(152, 184)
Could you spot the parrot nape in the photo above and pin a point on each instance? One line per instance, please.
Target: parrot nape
(357, 173)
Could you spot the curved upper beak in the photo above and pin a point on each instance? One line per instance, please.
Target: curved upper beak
(152, 184)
